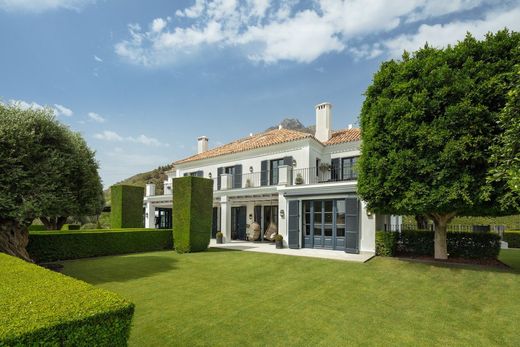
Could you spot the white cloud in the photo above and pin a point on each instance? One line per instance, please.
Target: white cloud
(112, 136)
(96, 117)
(108, 135)
(58, 110)
(43, 5)
(271, 31)
(98, 59)
(441, 35)
(61, 110)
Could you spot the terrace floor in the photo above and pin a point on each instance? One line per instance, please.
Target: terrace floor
(229, 298)
(263, 247)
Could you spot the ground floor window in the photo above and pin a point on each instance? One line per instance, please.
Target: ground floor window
(325, 224)
(163, 218)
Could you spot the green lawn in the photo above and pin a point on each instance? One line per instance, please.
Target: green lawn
(233, 298)
(511, 257)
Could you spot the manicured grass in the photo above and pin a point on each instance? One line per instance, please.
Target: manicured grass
(511, 257)
(232, 298)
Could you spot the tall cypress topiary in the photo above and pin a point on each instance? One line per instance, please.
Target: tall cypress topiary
(127, 206)
(192, 213)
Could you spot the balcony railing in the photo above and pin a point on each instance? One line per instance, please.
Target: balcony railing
(287, 176)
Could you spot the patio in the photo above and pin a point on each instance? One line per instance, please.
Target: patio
(302, 252)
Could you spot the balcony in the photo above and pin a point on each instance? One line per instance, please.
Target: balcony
(285, 175)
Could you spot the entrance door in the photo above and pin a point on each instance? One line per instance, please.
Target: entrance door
(270, 216)
(238, 225)
(163, 219)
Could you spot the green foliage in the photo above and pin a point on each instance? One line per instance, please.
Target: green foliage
(428, 124)
(37, 227)
(47, 170)
(386, 243)
(512, 238)
(192, 213)
(505, 158)
(460, 244)
(44, 308)
(71, 227)
(127, 206)
(62, 245)
(278, 237)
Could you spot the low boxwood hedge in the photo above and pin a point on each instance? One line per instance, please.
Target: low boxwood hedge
(386, 243)
(39, 307)
(37, 227)
(71, 227)
(460, 244)
(512, 238)
(45, 246)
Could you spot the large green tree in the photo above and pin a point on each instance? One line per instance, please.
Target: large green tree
(428, 125)
(48, 172)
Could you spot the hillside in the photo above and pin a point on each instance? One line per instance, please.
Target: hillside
(157, 176)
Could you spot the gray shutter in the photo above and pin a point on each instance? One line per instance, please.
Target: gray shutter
(294, 224)
(335, 170)
(352, 225)
(288, 160)
(264, 174)
(237, 176)
(220, 171)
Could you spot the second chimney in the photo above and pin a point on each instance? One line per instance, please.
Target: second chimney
(323, 120)
(202, 145)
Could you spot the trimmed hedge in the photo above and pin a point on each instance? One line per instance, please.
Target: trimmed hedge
(460, 244)
(127, 206)
(512, 238)
(192, 213)
(43, 308)
(386, 243)
(45, 246)
(71, 227)
(37, 227)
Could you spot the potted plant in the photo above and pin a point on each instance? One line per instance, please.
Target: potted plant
(219, 237)
(298, 179)
(324, 167)
(248, 183)
(278, 239)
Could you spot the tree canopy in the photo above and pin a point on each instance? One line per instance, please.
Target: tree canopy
(48, 171)
(429, 122)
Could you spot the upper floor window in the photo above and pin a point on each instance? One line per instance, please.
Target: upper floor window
(274, 165)
(348, 168)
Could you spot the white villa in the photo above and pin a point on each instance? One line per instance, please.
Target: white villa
(303, 184)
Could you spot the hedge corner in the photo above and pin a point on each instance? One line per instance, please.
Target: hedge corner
(127, 206)
(192, 213)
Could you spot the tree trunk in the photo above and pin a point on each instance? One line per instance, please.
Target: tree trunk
(53, 223)
(422, 222)
(14, 238)
(441, 225)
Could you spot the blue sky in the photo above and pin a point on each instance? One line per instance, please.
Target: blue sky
(142, 80)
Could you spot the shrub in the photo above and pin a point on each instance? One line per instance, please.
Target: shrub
(44, 308)
(62, 245)
(127, 206)
(386, 243)
(460, 244)
(278, 237)
(192, 213)
(512, 237)
(37, 227)
(71, 227)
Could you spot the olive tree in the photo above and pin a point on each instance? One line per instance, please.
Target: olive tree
(428, 125)
(47, 171)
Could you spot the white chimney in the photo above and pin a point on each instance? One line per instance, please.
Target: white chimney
(350, 126)
(202, 144)
(323, 120)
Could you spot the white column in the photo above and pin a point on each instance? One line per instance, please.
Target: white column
(149, 220)
(225, 218)
(150, 189)
(367, 230)
(283, 222)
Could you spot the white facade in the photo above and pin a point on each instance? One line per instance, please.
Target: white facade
(297, 178)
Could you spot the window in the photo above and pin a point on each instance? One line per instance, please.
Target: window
(318, 162)
(348, 171)
(275, 164)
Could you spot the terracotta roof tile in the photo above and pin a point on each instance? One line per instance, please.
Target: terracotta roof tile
(344, 135)
(260, 140)
(270, 138)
